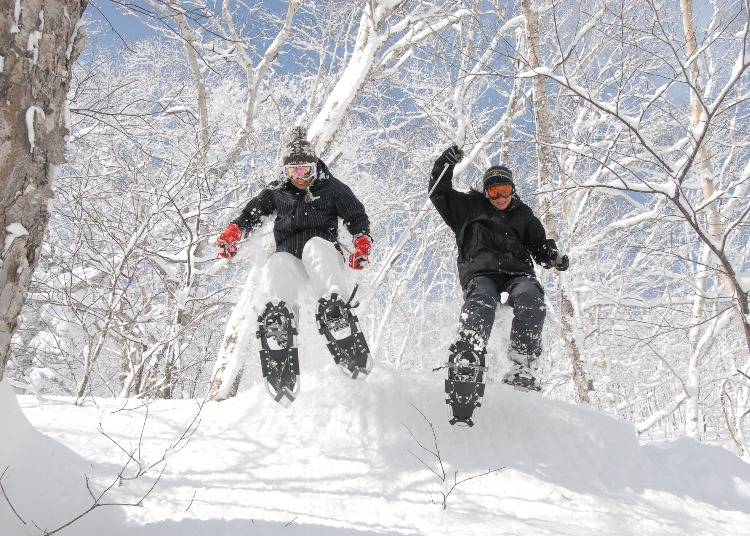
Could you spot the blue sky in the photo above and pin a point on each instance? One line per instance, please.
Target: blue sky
(118, 24)
(111, 20)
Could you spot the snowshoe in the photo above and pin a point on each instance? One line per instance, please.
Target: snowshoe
(464, 387)
(278, 355)
(347, 344)
(522, 378)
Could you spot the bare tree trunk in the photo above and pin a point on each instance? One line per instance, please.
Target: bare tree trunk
(546, 159)
(229, 365)
(715, 228)
(170, 378)
(515, 101)
(36, 58)
(741, 403)
(730, 419)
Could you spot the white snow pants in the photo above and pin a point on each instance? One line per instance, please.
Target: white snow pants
(321, 268)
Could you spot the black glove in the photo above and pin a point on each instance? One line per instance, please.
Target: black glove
(561, 262)
(451, 156)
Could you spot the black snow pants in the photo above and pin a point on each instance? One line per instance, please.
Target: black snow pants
(525, 295)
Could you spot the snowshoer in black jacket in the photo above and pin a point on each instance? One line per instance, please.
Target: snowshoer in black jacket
(497, 236)
(307, 205)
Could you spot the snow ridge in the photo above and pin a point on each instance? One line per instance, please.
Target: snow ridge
(352, 457)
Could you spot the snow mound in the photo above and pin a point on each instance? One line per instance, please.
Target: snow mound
(576, 447)
(45, 481)
(353, 457)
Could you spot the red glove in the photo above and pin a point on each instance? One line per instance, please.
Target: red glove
(362, 247)
(228, 241)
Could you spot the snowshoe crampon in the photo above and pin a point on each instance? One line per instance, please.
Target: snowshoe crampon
(278, 355)
(347, 344)
(464, 387)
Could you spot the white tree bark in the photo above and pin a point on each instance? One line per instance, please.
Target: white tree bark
(545, 166)
(693, 424)
(198, 245)
(368, 43)
(229, 366)
(364, 61)
(39, 42)
(200, 82)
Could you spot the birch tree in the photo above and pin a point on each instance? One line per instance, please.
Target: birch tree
(644, 159)
(545, 164)
(38, 46)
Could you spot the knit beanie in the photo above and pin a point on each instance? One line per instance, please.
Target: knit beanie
(497, 175)
(299, 150)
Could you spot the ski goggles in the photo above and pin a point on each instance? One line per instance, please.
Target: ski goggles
(300, 171)
(497, 191)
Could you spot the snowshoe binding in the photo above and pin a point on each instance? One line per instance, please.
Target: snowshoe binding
(464, 387)
(522, 378)
(347, 344)
(278, 355)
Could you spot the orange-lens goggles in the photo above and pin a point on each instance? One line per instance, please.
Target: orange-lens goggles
(499, 190)
(300, 171)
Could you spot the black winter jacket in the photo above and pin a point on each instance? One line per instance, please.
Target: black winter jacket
(491, 241)
(298, 220)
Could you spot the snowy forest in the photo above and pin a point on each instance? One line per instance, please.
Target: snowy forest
(124, 155)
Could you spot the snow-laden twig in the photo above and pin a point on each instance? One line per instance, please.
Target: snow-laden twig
(195, 492)
(395, 251)
(421, 31)
(98, 500)
(658, 415)
(435, 453)
(134, 456)
(2, 488)
(457, 482)
(254, 76)
(439, 469)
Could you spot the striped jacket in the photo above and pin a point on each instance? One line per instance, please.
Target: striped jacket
(299, 219)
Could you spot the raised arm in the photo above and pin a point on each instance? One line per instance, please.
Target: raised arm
(440, 188)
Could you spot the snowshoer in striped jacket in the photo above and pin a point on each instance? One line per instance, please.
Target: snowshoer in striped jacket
(307, 205)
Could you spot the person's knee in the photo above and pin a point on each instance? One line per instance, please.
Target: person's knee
(280, 279)
(280, 261)
(528, 296)
(482, 289)
(325, 267)
(317, 247)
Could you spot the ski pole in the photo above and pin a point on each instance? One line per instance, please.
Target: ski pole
(395, 252)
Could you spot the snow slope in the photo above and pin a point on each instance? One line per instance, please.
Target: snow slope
(44, 481)
(342, 461)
